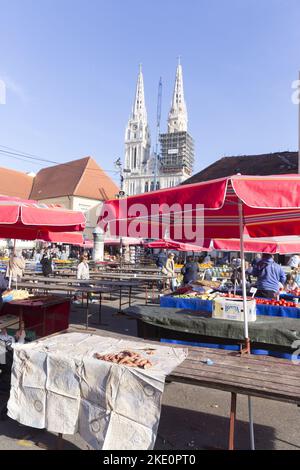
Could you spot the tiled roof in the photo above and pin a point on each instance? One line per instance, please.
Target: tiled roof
(266, 164)
(82, 178)
(15, 183)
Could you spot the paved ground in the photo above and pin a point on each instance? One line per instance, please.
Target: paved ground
(191, 418)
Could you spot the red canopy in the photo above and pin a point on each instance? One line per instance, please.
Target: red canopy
(285, 245)
(70, 238)
(270, 205)
(172, 245)
(31, 220)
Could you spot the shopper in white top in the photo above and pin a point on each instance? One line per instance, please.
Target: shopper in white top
(294, 261)
(83, 271)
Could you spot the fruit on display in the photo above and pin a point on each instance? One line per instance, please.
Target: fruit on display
(196, 295)
(260, 301)
(295, 292)
(16, 294)
(205, 265)
(278, 303)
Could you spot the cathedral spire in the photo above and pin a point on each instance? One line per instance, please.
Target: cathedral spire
(177, 121)
(139, 112)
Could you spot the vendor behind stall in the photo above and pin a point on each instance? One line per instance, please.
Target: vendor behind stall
(269, 276)
(190, 270)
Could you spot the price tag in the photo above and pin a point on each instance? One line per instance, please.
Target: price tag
(253, 291)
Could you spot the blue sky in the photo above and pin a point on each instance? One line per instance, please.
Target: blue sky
(70, 67)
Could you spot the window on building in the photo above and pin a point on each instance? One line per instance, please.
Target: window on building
(152, 186)
(146, 187)
(134, 157)
(157, 185)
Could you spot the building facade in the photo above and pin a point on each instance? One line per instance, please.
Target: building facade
(79, 185)
(144, 172)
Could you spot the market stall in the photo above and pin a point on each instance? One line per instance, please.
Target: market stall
(107, 389)
(199, 302)
(272, 336)
(223, 208)
(41, 314)
(32, 220)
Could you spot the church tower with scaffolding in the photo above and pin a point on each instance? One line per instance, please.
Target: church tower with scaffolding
(144, 172)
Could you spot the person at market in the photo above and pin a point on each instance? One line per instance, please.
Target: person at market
(83, 271)
(207, 259)
(190, 270)
(169, 269)
(256, 260)
(269, 277)
(294, 261)
(161, 259)
(46, 263)
(64, 255)
(291, 283)
(3, 287)
(37, 256)
(16, 266)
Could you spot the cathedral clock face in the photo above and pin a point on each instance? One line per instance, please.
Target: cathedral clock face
(135, 127)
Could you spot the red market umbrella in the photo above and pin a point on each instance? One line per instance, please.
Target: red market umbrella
(224, 208)
(269, 206)
(70, 238)
(31, 220)
(125, 241)
(173, 245)
(87, 244)
(281, 245)
(266, 206)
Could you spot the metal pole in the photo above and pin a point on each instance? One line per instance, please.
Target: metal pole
(247, 340)
(243, 274)
(251, 424)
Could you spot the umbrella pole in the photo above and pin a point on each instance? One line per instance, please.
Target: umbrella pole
(10, 273)
(246, 333)
(247, 340)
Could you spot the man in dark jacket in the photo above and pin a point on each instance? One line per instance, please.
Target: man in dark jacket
(46, 263)
(269, 275)
(190, 270)
(161, 259)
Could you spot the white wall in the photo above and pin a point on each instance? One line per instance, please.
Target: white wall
(90, 207)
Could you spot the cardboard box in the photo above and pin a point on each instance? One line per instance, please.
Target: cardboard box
(231, 309)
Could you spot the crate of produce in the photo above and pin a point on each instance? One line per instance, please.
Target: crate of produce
(233, 309)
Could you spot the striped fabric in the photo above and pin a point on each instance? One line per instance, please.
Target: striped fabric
(271, 207)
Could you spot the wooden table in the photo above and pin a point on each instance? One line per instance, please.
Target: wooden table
(255, 376)
(116, 284)
(72, 289)
(42, 309)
